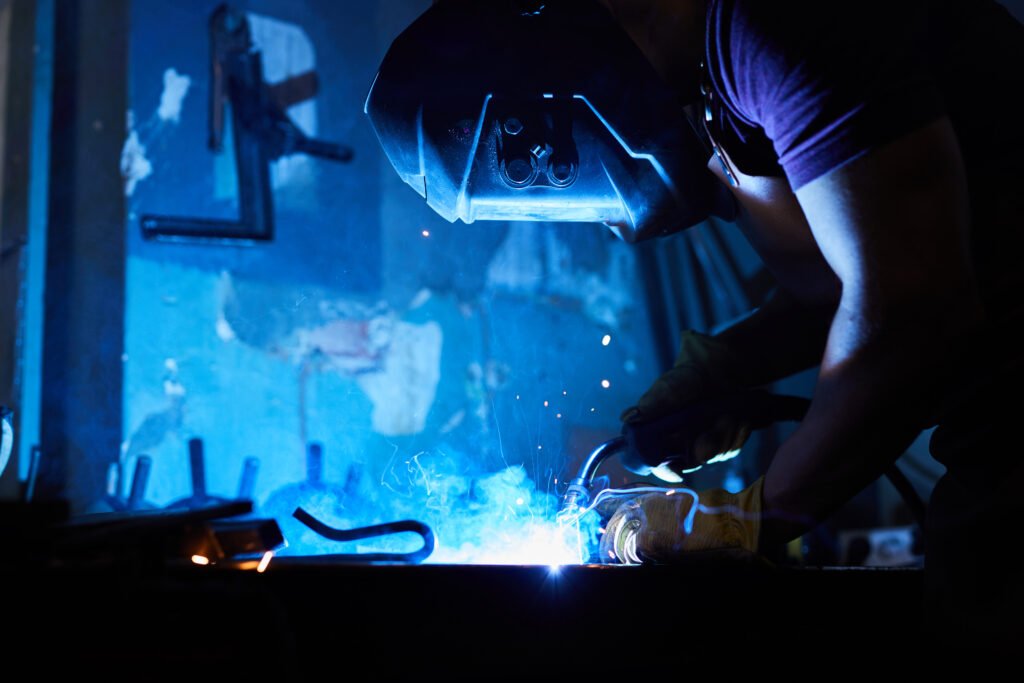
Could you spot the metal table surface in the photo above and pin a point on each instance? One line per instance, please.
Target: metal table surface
(446, 622)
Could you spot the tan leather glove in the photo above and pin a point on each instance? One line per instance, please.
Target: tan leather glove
(704, 369)
(662, 527)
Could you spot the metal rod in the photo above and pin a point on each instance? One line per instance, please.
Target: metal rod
(195, 458)
(314, 463)
(140, 478)
(250, 468)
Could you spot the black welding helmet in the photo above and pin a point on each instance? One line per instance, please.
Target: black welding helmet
(546, 111)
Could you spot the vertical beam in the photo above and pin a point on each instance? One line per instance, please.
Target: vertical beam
(85, 256)
(17, 37)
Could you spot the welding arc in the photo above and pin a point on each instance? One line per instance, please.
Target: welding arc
(373, 531)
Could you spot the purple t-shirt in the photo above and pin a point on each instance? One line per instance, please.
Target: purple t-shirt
(801, 87)
(805, 86)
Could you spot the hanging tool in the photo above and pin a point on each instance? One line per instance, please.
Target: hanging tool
(261, 129)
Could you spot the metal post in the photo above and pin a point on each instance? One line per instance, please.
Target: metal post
(85, 264)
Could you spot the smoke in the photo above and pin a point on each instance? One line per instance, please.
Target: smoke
(477, 517)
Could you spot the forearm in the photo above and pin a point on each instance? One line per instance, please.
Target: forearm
(878, 388)
(780, 339)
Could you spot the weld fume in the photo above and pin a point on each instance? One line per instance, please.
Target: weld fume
(477, 517)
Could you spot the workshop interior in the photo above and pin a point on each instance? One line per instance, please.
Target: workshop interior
(264, 384)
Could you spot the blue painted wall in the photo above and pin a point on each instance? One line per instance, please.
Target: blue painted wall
(419, 353)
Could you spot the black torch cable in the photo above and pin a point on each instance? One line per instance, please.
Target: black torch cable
(909, 494)
(373, 531)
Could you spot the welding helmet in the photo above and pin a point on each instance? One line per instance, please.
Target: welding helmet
(544, 111)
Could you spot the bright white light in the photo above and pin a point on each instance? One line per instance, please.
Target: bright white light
(605, 383)
(606, 340)
(425, 233)
(722, 457)
(519, 501)
(265, 561)
(201, 560)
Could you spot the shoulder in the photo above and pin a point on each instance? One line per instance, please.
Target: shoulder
(751, 46)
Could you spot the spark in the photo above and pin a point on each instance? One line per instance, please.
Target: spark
(593, 410)
(517, 397)
(559, 416)
(425, 233)
(539, 447)
(201, 560)
(565, 393)
(605, 383)
(265, 561)
(545, 404)
(606, 340)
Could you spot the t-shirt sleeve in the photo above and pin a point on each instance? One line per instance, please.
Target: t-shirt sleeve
(828, 82)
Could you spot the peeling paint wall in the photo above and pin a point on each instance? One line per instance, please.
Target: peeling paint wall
(369, 325)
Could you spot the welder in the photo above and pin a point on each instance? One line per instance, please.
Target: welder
(871, 154)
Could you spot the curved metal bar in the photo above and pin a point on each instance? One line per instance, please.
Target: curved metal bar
(373, 531)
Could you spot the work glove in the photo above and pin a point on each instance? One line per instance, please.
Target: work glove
(663, 527)
(705, 369)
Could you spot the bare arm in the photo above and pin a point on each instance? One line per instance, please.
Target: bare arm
(788, 333)
(893, 226)
(781, 338)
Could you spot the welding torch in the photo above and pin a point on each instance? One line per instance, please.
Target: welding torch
(649, 442)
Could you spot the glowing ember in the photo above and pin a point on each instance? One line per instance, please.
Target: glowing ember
(201, 560)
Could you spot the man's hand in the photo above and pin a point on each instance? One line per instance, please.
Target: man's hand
(705, 369)
(662, 527)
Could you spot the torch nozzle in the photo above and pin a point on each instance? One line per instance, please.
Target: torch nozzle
(577, 496)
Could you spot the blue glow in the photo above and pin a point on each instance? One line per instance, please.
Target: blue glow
(498, 518)
(421, 364)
